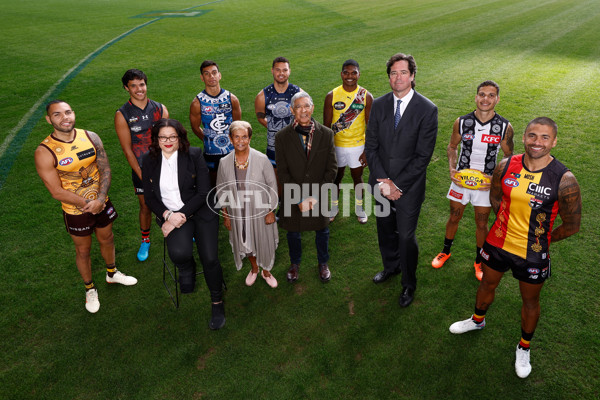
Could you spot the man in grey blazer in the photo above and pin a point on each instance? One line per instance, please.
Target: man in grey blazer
(306, 168)
(399, 144)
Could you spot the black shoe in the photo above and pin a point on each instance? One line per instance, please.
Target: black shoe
(383, 276)
(218, 316)
(406, 297)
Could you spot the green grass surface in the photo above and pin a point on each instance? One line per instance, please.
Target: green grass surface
(347, 339)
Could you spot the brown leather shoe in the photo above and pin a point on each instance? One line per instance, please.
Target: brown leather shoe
(324, 273)
(292, 274)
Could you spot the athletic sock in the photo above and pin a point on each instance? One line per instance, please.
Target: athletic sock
(110, 270)
(478, 258)
(145, 235)
(525, 340)
(478, 316)
(447, 245)
(89, 285)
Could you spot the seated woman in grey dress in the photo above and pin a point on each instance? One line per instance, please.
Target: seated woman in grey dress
(247, 193)
(176, 186)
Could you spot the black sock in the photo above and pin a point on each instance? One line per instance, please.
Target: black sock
(89, 285)
(110, 270)
(447, 245)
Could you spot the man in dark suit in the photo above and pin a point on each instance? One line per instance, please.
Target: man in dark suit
(400, 140)
(306, 163)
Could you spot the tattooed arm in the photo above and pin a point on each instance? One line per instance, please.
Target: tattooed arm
(507, 143)
(496, 188)
(569, 207)
(95, 206)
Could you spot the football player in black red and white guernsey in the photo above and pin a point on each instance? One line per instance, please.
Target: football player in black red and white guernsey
(480, 134)
(528, 192)
(133, 123)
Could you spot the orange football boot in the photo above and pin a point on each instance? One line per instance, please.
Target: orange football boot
(440, 259)
(478, 271)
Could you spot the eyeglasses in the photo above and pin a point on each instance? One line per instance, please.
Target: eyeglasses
(168, 138)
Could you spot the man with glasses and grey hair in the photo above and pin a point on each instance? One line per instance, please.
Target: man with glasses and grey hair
(306, 162)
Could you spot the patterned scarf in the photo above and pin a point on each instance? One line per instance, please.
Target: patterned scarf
(307, 132)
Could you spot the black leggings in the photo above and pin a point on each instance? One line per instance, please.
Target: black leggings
(180, 246)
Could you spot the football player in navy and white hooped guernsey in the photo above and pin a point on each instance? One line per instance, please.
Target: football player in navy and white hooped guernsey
(528, 191)
(74, 167)
(480, 134)
(133, 123)
(272, 104)
(211, 113)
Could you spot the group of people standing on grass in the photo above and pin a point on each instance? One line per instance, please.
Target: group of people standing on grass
(187, 188)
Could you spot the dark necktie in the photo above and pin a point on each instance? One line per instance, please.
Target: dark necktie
(397, 116)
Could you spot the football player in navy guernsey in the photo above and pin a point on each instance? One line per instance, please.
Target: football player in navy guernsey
(211, 113)
(272, 104)
(480, 133)
(527, 193)
(133, 123)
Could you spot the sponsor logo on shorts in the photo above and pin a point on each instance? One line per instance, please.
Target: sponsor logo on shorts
(533, 270)
(340, 105)
(111, 212)
(495, 139)
(544, 272)
(485, 255)
(65, 161)
(455, 194)
(510, 182)
(533, 276)
(82, 155)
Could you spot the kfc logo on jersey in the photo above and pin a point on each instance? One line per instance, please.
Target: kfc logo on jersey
(535, 203)
(510, 182)
(494, 139)
(65, 161)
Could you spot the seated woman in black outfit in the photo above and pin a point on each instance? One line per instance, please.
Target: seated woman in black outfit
(176, 185)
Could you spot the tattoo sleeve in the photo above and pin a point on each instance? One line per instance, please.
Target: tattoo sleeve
(569, 207)
(103, 166)
(496, 188)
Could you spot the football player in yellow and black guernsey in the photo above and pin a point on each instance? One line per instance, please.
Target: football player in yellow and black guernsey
(346, 112)
(74, 167)
(528, 192)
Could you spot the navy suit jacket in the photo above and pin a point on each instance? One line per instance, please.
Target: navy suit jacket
(402, 154)
(193, 179)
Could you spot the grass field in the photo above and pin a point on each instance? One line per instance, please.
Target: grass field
(347, 339)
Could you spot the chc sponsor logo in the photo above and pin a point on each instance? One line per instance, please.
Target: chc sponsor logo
(495, 139)
(65, 161)
(510, 182)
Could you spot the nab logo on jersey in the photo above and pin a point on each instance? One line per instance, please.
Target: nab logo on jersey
(510, 182)
(494, 139)
(65, 161)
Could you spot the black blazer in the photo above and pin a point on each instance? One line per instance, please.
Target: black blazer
(401, 154)
(194, 184)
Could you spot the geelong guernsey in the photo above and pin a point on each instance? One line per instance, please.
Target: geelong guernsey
(76, 165)
(277, 110)
(480, 142)
(528, 209)
(216, 117)
(140, 124)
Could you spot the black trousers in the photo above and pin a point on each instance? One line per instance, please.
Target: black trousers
(180, 247)
(397, 241)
